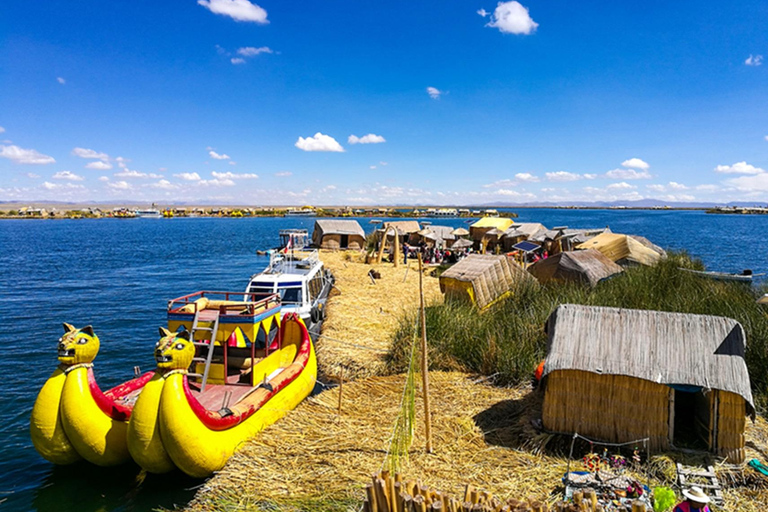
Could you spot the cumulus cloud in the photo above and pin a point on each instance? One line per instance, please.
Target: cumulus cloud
(25, 156)
(635, 163)
(119, 185)
(217, 183)
(366, 139)
(233, 176)
(237, 60)
(130, 173)
(283, 174)
(754, 60)
(673, 185)
(99, 165)
(2, 130)
(483, 12)
(739, 168)
(562, 176)
(512, 18)
(164, 184)
(32, 175)
(90, 153)
(627, 174)
(60, 80)
(61, 186)
(623, 185)
(103, 178)
(656, 187)
(217, 156)
(526, 176)
(238, 10)
(188, 176)
(434, 93)
(252, 51)
(319, 142)
(66, 175)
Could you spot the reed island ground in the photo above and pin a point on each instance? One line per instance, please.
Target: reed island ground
(483, 403)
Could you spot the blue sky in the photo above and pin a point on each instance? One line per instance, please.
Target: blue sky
(331, 102)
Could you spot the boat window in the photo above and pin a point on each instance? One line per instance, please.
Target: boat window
(261, 290)
(290, 295)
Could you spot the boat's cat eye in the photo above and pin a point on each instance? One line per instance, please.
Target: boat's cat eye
(179, 346)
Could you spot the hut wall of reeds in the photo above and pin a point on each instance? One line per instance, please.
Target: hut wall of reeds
(338, 234)
(481, 279)
(587, 267)
(406, 229)
(621, 374)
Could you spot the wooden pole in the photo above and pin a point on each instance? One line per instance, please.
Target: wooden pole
(424, 362)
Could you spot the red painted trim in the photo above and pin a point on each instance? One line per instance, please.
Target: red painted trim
(106, 401)
(214, 421)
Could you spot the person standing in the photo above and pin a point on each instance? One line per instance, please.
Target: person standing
(695, 501)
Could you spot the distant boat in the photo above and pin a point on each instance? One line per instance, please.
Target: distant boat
(744, 277)
(300, 212)
(149, 214)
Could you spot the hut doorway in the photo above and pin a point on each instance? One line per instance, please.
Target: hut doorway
(344, 241)
(692, 418)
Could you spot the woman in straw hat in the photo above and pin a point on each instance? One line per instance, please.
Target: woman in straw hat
(695, 500)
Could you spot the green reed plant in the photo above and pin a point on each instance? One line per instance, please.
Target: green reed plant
(508, 339)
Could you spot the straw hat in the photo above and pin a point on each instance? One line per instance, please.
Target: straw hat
(696, 494)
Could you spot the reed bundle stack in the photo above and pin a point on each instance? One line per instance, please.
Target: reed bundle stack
(363, 315)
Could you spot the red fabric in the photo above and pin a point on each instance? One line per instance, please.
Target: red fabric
(539, 370)
(106, 401)
(686, 507)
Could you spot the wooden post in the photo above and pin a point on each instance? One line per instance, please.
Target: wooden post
(424, 362)
(397, 249)
(671, 417)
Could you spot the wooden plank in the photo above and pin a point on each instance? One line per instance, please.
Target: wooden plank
(672, 417)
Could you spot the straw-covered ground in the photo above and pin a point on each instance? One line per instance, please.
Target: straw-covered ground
(363, 316)
(318, 459)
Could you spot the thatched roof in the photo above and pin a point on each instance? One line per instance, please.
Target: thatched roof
(623, 249)
(404, 227)
(336, 227)
(500, 223)
(666, 348)
(589, 267)
(462, 243)
(439, 234)
(525, 229)
(490, 275)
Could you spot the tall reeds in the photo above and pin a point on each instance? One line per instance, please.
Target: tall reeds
(508, 340)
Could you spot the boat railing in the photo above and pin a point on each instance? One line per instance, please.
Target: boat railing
(299, 257)
(223, 301)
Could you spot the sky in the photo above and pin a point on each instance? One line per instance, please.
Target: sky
(338, 103)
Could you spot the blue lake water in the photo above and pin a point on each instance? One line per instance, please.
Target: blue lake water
(118, 274)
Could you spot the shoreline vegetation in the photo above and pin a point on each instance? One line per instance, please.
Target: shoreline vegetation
(42, 211)
(321, 455)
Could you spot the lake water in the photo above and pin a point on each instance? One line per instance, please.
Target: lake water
(118, 274)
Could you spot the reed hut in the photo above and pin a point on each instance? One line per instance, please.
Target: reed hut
(588, 267)
(481, 279)
(478, 230)
(518, 232)
(619, 375)
(407, 230)
(623, 249)
(338, 234)
(440, 236)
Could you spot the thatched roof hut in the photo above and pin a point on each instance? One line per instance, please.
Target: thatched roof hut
(338, 234)
(520, 231)
(481, 279)
(588, 267)
(623, 249)
(482, 226)
(441, 236)
(619, 375)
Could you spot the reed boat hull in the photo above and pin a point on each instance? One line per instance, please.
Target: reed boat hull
(45, 425)
(143, 436)
(200, 446)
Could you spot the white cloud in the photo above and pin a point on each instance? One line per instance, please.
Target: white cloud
(66, 175)
(2, 130)
(739, 168)
(217, 183)
(627, 174)
(708, 188)
(237, 60)
(60, 80)
(512, 18)
(188, 176)
(766, 137)
(366, 139)
(251, 51)
(656, 187)
(120, 185)
(130, 173)
(526, 176)
(677, 186)
(61, 186)
(754, 60)
(217, 156)
(483, 12)
(164, 184)
(372, 167)
(103, 178)
(283, 174)
(25, 156)
(233, 176)
(238, 10)
(434, 93)
(635, 163)
(32, 175)
(121, 162)
(99, 165)
(383, 163)
(319, 142)
(90, 153)
(623, 185)
(562, 176)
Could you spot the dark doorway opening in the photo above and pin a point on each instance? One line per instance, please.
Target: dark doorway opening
(692, 419)
(344, 241)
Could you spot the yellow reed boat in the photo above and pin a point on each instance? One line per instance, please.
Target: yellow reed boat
(72, 418)
(226, 368)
